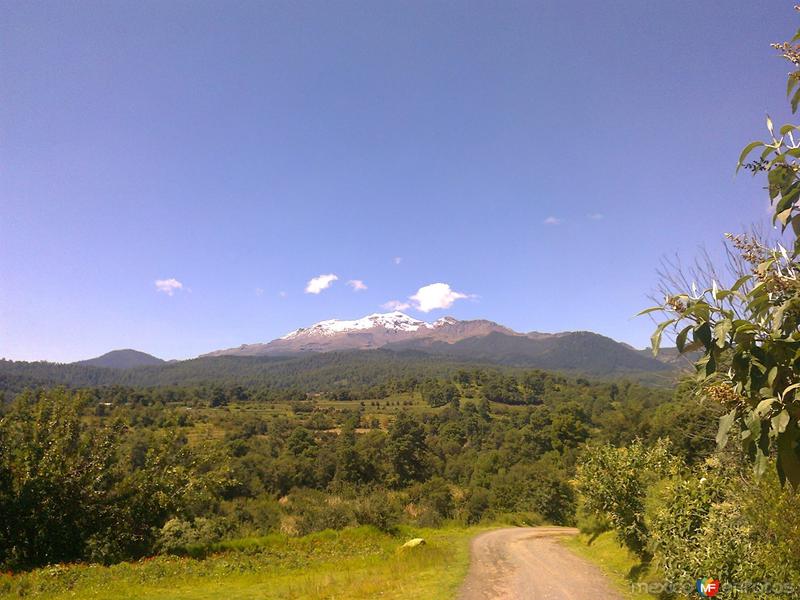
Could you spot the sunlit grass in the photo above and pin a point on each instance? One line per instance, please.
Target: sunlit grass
(622, 567)
(354, 563)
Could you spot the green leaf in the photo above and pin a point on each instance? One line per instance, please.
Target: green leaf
(721, 331)
(747, 150)
(649, 310)
(680, 340)
(763, 408)
(761, 463)
(740, 282)
(789, 454)
(788, 389)
(703, 334)
(771, 375)
(783, 216)
(725, 424)
(788, 127)
(780, 421)
(655, 339)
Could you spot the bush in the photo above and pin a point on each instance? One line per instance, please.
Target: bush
(177, 535)
(476, 506)
(539, 487)
(251, 517)
(724, 524)
(434, 501)
(613, 483)
(377, 509)
(315, 511)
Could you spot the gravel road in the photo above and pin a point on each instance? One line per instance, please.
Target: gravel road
(528, 563)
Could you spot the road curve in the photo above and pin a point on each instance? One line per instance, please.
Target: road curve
(528, 563)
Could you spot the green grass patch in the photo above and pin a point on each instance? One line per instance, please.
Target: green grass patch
(353, 563)
(623, 568)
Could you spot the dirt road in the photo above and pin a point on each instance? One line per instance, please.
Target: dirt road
(528, 563)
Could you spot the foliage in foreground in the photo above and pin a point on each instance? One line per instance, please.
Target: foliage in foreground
(714, 519)
(749, 332)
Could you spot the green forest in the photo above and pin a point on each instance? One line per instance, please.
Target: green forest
(121, 473)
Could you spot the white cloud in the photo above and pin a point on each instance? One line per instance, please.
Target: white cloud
(596, 216)
(259, 291)
(396, 305)
(357, 285)
(397, 260)
(435, 295)
(319, 283)
(168, 286)
(552, 221)
(282, 294)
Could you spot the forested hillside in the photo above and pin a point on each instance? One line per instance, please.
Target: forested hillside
(357, 372)
(158, 469)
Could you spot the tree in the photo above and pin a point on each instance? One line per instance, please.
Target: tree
(407, 450)
(437, 393)
(348, 461)
(748, 333)
(60, 479)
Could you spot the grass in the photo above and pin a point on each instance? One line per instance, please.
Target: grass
(353, 563)
(622, 568)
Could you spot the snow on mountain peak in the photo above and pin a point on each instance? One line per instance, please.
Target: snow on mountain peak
(393, 321)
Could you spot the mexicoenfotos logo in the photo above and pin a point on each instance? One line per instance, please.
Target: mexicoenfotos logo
(708, 587)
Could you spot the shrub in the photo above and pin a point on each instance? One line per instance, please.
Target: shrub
(315, 511)
(721, 523)
(177, 535)
(434, 501)
(246, 517)
(613, 483)
(377, 509)
(476, 505)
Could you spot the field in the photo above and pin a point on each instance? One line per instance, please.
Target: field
(320, 414)
(353, 563)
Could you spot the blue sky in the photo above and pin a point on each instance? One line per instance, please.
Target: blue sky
(536, 157)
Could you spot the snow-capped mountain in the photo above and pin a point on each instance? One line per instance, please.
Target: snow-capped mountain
(473, 341)
(393, 321)
(373, 331)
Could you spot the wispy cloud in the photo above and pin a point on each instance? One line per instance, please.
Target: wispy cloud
(397, 260)
(396, 305)
(168, 286)
(552, 221)
(259, 291)
(319, 283)
(357, 285)
(282, 294)
(596, 216)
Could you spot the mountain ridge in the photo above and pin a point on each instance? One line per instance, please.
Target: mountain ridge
(126, 358)
(472, 340)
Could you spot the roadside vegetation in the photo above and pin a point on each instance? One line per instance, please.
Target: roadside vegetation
(733, 516)
(353, 563)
